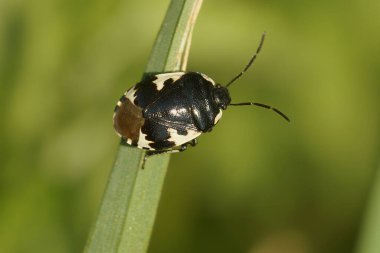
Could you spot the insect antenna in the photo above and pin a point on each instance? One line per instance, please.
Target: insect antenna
(249, 63)
(264, 106)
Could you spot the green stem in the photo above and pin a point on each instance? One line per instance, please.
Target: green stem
(129, 206)
(369, 239)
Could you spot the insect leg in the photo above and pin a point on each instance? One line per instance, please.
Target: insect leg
(193, 142)
(160, 152)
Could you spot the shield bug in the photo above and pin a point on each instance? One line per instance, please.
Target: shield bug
(166, 112)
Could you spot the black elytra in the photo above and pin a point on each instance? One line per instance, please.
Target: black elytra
(166, 112)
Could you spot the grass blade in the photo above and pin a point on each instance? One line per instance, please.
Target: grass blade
(369, 238)
(128, 209)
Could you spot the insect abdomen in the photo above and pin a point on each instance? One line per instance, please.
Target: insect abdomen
(128, 120)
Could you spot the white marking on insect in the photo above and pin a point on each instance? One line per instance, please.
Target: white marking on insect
(143, 142)
(208, 78)
(161, 78)
(218, 116)
(131, 95)
(179, 139)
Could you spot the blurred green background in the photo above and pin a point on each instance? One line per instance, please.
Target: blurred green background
(255, 184)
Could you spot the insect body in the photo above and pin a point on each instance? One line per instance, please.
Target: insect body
(166, 112)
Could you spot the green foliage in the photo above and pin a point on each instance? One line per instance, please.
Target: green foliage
(369, 237)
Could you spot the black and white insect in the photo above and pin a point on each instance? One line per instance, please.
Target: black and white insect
(166, 112)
